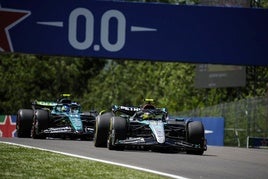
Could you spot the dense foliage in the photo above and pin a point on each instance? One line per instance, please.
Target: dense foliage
(24, 78)
(98, 84)
(171, 84)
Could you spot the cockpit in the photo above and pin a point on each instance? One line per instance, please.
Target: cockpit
(151, 114)
(67, 108)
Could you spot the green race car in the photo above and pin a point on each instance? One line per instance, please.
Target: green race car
(60, 119)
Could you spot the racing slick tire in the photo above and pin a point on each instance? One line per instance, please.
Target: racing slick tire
(102, 129)
(24, 122)
(196, 136)
(118, 130)
(41, 120)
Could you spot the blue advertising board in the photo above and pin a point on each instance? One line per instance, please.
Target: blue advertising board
(214, 129)
(257, 142)
(141, 31)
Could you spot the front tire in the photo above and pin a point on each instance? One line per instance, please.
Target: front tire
(196, 136)
(118, 131)
(40, 123)
(102, 129)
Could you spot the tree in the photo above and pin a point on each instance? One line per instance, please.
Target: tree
(170, 84)
(24, 78)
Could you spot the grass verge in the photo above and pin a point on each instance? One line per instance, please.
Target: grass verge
(20, 162)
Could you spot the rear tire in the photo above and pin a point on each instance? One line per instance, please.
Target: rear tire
(118, 131)
(196, 135)
(102, 129)
(24, 122)
(40, 123)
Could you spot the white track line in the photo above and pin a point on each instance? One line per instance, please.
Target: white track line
(99, 160)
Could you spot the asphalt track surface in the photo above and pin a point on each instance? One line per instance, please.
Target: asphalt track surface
(217, 162)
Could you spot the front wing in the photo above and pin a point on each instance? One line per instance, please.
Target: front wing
(169, 143)
(67, 132)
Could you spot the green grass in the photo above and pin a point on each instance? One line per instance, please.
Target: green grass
(20, 162)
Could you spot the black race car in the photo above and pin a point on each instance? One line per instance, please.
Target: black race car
(148, 128)
(60, 119)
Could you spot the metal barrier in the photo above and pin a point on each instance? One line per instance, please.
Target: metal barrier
(248, 117)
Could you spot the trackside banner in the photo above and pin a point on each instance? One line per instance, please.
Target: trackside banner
(8, 125)
(141, 31)
(214, 129)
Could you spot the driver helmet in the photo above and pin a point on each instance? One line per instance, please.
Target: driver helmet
(146, 116)
(65, 108)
